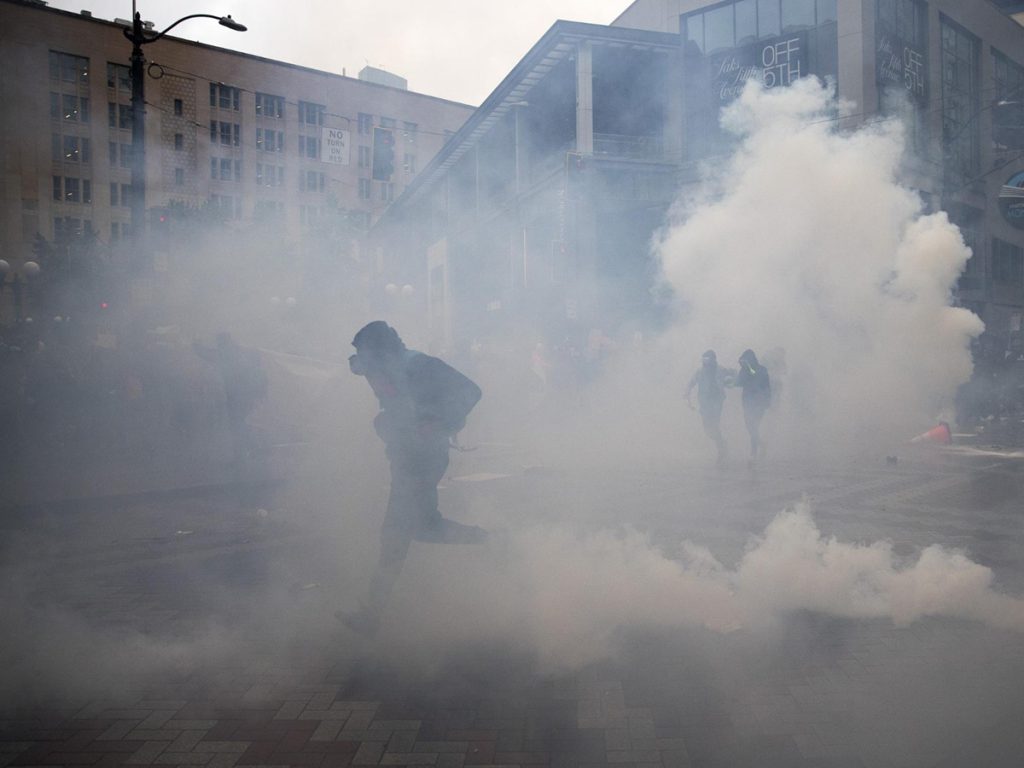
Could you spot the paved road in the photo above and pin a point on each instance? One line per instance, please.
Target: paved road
(193, 631)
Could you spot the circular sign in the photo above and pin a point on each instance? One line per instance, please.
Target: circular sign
(1011, 200)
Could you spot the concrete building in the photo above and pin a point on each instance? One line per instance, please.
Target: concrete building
(541, 207)
(254, 138)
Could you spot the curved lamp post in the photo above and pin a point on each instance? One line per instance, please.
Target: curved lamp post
(139, 37)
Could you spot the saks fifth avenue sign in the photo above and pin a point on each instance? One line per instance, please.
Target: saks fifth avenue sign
(900, 64)
(773, 63)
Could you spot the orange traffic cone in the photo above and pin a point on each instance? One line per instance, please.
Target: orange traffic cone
(940, 434)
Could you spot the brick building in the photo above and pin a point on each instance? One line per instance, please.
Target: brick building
(250, 137)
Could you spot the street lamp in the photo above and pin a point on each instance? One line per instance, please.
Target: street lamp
(140, 37)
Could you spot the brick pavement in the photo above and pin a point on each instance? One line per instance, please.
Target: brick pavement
(817, 692)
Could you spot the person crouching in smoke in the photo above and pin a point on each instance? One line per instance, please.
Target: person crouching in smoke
(424, 402)
(710, 381)
(757, 396)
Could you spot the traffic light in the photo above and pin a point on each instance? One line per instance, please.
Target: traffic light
(383, 154)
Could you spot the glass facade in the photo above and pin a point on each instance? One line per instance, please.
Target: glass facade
(961, 129)
(775, 42)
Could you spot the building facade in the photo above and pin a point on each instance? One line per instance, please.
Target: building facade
(542, 206)
(250, 138)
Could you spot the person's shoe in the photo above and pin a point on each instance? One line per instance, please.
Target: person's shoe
(363, 621)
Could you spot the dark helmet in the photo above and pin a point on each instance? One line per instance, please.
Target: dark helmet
(749, 358)
(709, 356)
(378, 337)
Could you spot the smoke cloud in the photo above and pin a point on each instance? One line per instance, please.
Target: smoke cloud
(567, 596)
(806, 242)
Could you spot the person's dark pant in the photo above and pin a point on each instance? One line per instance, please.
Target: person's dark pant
(711, 418)
(752, 415)
(413, 514)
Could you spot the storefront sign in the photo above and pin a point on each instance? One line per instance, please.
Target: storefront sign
(777, 62)
(900, 64)
(1011, 200)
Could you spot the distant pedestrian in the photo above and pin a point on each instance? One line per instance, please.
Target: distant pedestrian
(710, 381)
(757, 396)
(424, 402)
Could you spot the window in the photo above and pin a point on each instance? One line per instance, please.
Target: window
(387, 191)
(265, 209)
(387, 122)
(68, 107)
(115, 231)
(179, 107)
(226, 134)
(224, 96)
(69, 68)
(409, 163)
(1007, 263)
(769, 18)
(409, 131)
(311, 114)
(269, 141)
(364, 189)
(227, 206)
(225, 169)
(1008, 105)
(71, 190)
(126, 155)
(309, 146)
(269, 106)
(119, 77)
(797, 14)
(365, 122)
(311, 181)
(269, 175)
(179, 141)
(961, 135)
(112, 151)
(364, 157)
(71, 149)
(179, 176)
(119, 116)
(120, 195)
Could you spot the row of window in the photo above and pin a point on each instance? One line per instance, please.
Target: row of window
(68, 189)
(69, 68)
(745, 21)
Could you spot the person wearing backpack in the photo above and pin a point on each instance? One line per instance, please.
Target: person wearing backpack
(757, 396)
(424, 403)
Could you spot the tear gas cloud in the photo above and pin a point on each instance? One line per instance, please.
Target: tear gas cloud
(843, 270)
(806, 247)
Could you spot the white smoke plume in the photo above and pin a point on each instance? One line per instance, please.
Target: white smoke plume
(566, 597)
(806, 241)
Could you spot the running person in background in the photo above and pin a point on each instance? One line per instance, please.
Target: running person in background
(710, 381)
(424, 402)
(757, 396)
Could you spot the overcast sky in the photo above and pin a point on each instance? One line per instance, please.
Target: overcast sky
(456, 49)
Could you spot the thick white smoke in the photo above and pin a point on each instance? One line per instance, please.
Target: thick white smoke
(806, 241)
(566, 597)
